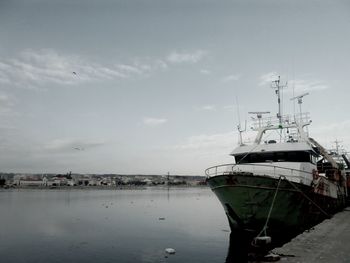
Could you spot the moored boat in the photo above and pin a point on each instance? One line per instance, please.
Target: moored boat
(279, 186)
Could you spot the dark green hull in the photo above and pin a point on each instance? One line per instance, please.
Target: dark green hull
(247, 200)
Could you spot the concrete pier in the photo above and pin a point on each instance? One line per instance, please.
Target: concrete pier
(328, 242)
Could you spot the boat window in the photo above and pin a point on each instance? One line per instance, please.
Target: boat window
(297, 156)
(281, 156)
(313, 159)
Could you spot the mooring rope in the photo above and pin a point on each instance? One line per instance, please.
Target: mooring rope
(263, 230)
(308, 198)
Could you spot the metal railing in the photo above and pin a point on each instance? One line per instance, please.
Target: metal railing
(286, 119)
(257, 169)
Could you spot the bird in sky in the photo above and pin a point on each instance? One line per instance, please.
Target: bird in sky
(78, 149)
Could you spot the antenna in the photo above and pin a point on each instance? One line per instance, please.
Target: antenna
(239, 128)
(276, 85)
(240, 132)
(259, 115)
(300, 101)
(337, 145)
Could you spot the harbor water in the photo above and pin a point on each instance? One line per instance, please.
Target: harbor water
(112, 226)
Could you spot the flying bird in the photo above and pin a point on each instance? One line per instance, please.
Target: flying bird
(78, 149)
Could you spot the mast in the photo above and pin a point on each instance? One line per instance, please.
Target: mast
(278, 88)
(239, 127)
(337, 145)
(300, 102)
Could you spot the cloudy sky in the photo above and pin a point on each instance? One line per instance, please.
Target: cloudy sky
(151, 86)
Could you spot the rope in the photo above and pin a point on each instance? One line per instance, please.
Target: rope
(270, 210)
(308, 198)
(263, 230)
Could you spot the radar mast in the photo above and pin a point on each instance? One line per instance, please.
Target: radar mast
(278, 88)
(300, 102)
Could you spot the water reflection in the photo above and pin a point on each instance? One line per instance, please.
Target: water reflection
(241, 249)
(112, 226)
(238, 248)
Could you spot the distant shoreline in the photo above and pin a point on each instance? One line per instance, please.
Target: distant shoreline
(125, 187)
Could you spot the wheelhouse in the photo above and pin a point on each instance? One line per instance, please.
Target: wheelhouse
(276, 156)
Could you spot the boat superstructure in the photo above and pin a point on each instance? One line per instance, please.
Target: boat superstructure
(282, 183)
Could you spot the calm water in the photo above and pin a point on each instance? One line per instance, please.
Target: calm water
(112, 226)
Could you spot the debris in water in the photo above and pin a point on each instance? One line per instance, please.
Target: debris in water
(170, 251)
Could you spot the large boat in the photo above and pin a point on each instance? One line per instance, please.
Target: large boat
(282, 183)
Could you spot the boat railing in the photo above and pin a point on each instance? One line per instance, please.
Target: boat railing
(286, 120)
(257, 169)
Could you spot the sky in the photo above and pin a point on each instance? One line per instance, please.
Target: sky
(156, 86)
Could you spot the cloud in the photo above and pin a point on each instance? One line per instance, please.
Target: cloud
(186, 57)
(206, 108)
(328, 133)
(40, 68)
(229, 107)
(71, 144)
(204, 141)
(267, 78)
(301, 85)
(154, 121)
(7, 104)
(6, 100)
(205, 71)
(231, 78)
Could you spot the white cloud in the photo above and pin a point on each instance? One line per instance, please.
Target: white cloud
(71, 144)
(40, 68)
(301, 85)
(127, 69)
(267, 78)
(232, 77)
(229, 107)
(328, 133)
(7, 104)
(154, 121)
(186, 57)
(203, 141)
(6, 99)
(206, 108)
(205, 71)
